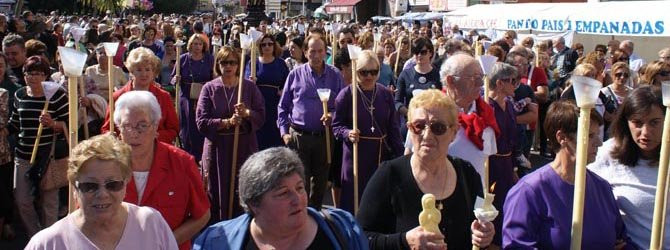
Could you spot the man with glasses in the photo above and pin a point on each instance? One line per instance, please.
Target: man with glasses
(301, 120)
(344, 37)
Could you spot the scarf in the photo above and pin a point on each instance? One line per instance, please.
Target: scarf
(475, 122)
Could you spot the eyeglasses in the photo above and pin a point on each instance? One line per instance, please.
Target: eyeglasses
(623, 59)
(664, 73)
(372, 72)
(423, 52)
(267, 44)
(228, 63)
(139, 128)
(92, 187)
(621, 75)
(437, 128)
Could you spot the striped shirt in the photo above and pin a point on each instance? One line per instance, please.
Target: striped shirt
(25, 119)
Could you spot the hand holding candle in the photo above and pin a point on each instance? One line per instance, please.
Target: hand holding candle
(324, 95)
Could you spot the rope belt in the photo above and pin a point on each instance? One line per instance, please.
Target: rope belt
(504, 155)
(380, 141)
(268, 86)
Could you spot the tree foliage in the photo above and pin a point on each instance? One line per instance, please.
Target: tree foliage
(103, 5)
(174, 6)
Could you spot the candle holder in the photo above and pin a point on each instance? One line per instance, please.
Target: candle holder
(324, 96)
(110, 51)
(586, 93)
(487, 212)
(660, 203)
(377, 37)
(77, 33)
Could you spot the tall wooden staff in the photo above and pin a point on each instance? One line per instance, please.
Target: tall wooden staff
(110, 51)
(336, 30)
(245, 42)
(82, 93)
(586, 93)
(397, 54)
(353, 54)
(658, 224)
(255, 37)
(177, 84)
(73, 64)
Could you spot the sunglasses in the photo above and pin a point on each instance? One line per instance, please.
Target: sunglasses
(621, 75)
(423, 52)
(349, 41)
(623, 59)
(267, 44)
(418, 127)
(228, 63)
(92, 187)
(664, 73)
(372, 72)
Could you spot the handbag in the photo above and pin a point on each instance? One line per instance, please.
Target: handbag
(194, 94)
(55, 174)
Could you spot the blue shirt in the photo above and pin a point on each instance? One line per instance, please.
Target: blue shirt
(300, 105)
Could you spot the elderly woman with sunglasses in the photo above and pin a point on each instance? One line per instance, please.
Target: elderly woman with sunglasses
(164, 177)
(378, 133)
(538, 209)
(391, 203)
(271, 73)
(99, 169)
(273, 194)
(217, 115)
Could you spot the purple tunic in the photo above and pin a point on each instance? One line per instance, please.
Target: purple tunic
(502, 163)
(270, 78)
(300, 105)
(539, 213)
(217, 102)
(385, 124)
(198, 71)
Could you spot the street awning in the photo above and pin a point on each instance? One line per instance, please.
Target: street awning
(630, 18)
(341, 6)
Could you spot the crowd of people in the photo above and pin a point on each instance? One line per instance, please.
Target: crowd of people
(243, 155)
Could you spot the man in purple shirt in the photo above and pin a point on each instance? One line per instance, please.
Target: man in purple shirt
(301, 120)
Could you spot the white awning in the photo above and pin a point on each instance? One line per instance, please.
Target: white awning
(631, 18)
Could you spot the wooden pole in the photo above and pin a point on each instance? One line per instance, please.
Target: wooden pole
(327, 129)
(580, 178)
(72, 128)
(661, 187)
(82, 93)
(177, 83)
(39, 134)
(334, 45)
(397, 56)
(354, 102)
(236, 139)
(253, 61)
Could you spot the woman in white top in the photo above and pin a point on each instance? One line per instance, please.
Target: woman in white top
(99, 169)
(629, 160)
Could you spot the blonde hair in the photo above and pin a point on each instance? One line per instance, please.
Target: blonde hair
(205, 46)
(142, 55)
(586, 69)
(105, 147)
(653, 68)
(367, 58)
(432, 98)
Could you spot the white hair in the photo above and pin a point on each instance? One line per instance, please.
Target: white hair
(455, 64)
(138, 100)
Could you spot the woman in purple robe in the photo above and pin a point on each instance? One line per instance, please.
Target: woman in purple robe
(217, 115)
(502, 84)
(378, 133)
(538, 209)
(271, 73)
(196, 69)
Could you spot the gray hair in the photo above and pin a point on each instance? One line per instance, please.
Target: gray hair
(13, 39)
(627, 43)
(263, 171)
(560, 40)
(500, 71)
(138, 100)
(455, 64)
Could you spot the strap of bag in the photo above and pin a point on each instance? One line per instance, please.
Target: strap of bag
(336, 231)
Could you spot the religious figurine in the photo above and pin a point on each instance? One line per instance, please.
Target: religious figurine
(430, 217)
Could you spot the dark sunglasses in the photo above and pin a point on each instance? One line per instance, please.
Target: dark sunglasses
(423, 52)
(664, 73)
(267, 44)
(620, 75)
(226, 63)
(349, 41)
(623, 59)
(92, 187)
(418, 127)
(372, 72)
